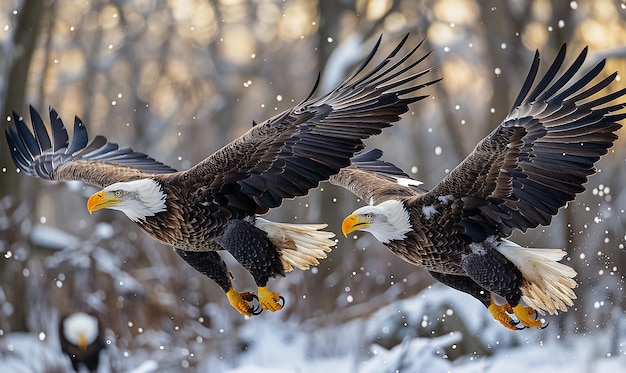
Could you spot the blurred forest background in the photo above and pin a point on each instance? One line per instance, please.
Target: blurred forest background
(179, 79)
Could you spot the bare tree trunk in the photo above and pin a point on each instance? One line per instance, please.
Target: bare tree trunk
(24, 40)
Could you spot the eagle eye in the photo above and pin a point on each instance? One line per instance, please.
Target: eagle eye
(117, 193)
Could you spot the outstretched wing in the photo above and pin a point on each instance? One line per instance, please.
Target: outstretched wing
(537, 159)
(291, 153)
(98, 162)
(375, 181)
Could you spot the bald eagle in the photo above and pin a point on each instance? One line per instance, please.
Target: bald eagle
(215, 205)
(516, 178)
(80, 334)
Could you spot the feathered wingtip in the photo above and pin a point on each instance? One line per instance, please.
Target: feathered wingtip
(39, 152)
(370, 161)
(27, 147)
(300, 245)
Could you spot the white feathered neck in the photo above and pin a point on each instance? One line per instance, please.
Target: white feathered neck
(390, 220)
(140, 199)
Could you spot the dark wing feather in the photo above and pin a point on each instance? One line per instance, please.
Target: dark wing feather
(291, 153)
(98, 162)
(374, 180)
(59, 133)
(80, 138)
(540, 156)
(39, 129)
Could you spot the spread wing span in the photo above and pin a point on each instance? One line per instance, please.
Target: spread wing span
(537, 159)
(97, 162)
(292, 152)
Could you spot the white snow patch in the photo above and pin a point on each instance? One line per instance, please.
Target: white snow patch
(24, 352)
(104, 231)
(146, 367)
(401, 357)
(446, 199)
(429, 211)
(478, 248)
(52, 238)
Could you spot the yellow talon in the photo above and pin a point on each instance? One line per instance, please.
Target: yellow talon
(500, 313)
(525, 315)
(239, 301)
(269, 300)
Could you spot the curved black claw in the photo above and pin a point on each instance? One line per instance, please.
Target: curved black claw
(256, 310)
(283, 299)
(516, 323)
(536, 316)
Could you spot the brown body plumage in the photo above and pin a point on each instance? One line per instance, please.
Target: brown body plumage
(214, 205)
(516, 178)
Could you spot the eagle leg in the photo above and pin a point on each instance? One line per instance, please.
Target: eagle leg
(211, 264)
(240, 302)
(269, 300)
(253, 249)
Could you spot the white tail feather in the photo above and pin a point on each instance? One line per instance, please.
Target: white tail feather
(547, 284)
(300, 245)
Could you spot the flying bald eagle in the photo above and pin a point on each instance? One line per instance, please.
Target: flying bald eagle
(215, 205)
(81, 339)
(516, 178)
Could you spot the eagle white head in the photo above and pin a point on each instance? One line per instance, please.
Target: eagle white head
(387, 221)
(137, 199)
(80, 329)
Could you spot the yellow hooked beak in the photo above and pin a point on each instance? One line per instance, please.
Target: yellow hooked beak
(82, 342)
(352, 223)
(101, 200)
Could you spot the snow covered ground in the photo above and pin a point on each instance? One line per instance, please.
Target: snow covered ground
(353, 348)
(358, 345)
